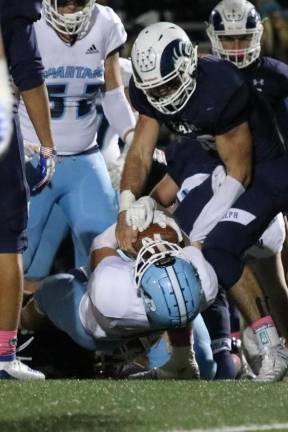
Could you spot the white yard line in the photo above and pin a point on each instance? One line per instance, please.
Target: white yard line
(244, 428)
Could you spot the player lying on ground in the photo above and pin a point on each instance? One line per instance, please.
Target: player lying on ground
(122, 299)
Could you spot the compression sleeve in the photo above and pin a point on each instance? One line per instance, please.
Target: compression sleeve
(118, 111)
(230, 190)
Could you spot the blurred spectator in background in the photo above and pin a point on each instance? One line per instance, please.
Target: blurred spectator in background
(275, 38)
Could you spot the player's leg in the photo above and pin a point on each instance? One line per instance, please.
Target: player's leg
(270, 274)
(13, 220)
(58, 299)
(54, 232)
(203, 351)
(90, 205)
(217, 321)
(182, 363)
(227, 243)
(40, 207)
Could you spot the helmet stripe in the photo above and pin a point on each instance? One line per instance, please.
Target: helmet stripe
(178, 294)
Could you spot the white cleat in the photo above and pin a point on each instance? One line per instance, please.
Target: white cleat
(251, 350)
(274, 364)
(15, 369)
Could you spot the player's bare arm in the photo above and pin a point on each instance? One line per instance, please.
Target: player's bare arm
(136, 170)
(39, 113)
(235, 150)
(165, 191)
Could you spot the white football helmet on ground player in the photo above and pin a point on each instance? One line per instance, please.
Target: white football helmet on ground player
(69, 24)
(235, 18)
(164, 62)
(168, 283)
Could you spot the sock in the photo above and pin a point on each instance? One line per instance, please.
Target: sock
(236, 335)
(266, 332)
(8, 342)
(225, 365)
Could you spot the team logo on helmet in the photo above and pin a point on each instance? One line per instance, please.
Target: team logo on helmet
(146, 60)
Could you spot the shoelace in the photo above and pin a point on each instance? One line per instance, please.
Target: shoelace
(22, 347)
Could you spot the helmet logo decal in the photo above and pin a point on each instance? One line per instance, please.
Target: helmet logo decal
(233, 15)
(183, 49)
(146, 60)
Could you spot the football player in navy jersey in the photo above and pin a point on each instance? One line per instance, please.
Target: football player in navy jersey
(239, 41)
(27, 72)
(208, 98)
(235, 31)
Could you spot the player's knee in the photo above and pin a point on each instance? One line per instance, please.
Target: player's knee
(47, 296)
(228, 267)
(271, 241)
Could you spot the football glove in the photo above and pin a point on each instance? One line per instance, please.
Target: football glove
(140, 215)
(45, 169)
(161, 219)
(30, 150)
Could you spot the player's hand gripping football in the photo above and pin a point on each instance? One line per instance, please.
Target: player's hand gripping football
(161, 219)
(140, 215)
(125, 234)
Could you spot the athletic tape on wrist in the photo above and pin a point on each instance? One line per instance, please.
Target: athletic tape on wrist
(127, 198)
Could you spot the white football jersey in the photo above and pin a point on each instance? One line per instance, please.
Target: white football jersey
(112, 306)
(74, 76)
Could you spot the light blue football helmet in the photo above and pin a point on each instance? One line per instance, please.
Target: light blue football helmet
(168, 283)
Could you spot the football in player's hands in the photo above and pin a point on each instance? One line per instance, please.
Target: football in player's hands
(155, 232)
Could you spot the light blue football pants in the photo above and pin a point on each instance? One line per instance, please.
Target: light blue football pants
(81, 187)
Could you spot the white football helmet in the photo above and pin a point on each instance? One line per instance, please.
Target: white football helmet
(71, 24)
(164, 63)
(235, 18)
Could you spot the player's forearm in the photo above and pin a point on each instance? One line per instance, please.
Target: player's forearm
(235, 150)
(140, 156)
(230, 190)
(136, 171)
(37, 105)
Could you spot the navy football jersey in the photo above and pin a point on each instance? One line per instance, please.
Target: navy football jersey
(270, 78)
(186, 158)
(221, 101)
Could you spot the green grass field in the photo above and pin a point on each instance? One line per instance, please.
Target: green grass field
(122, 406)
